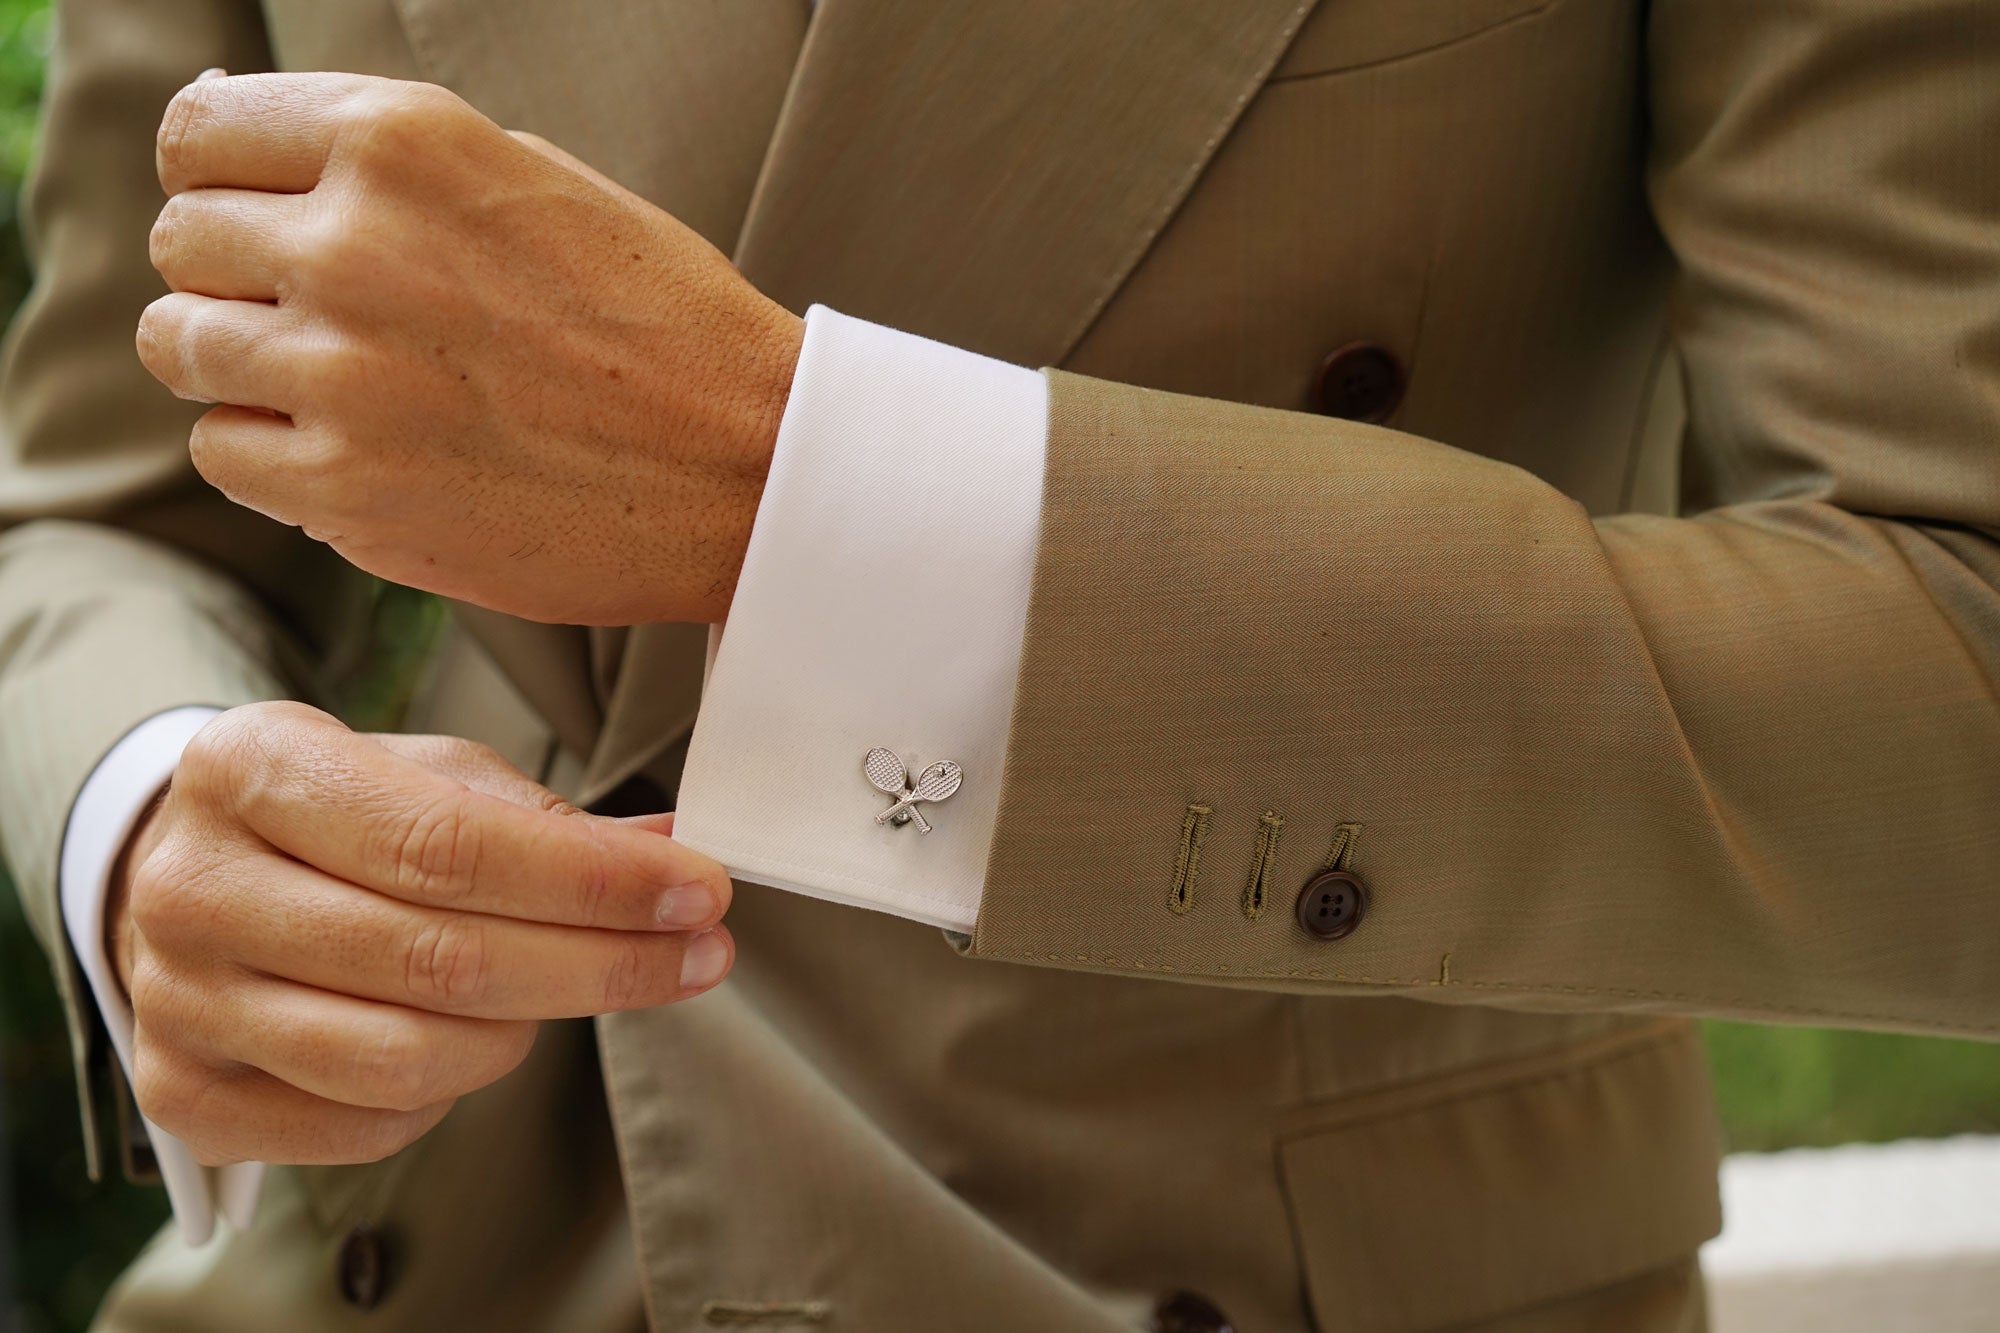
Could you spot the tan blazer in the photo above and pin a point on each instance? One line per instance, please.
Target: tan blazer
(1595, 767)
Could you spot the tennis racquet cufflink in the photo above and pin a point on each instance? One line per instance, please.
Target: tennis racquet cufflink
(887, 773)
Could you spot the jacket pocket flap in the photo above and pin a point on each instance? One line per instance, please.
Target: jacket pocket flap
(1432, 1206)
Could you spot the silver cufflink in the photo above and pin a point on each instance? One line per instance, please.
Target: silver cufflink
(887, 773)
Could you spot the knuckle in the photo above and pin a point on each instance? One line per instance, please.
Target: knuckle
(158, 897)
(476, 755)
(211, 458)
(213, 751)
(224, 750)
(448, 965)
(400, 1065)
(518, 1041)
(213, 1127)
(337, 371)
(167, 227)
(387, 124)
(392, 1131)
(164, 1087)
(594, 876)
(150, 991)
(158, 337)
(438, 854)
(628, 980)
(184, 114)
(456, 755)
(219, 459)
(233, 763)
(331, 256)
(184, 903)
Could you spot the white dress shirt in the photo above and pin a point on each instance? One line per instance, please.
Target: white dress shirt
(881, 604)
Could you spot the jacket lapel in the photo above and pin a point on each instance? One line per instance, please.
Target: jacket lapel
(674, 99)
(987, 173)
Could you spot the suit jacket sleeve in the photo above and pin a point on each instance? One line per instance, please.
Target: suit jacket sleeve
(1741, 762)
(127, 586)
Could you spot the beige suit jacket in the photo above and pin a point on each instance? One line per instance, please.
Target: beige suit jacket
(1642, 665)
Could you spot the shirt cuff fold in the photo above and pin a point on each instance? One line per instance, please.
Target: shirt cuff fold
(881, 605)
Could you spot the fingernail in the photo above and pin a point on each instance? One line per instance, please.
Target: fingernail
(687, 905)
(212, 72)
(706, 959)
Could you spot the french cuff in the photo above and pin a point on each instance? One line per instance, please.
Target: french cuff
(879, 612)
(107, 810)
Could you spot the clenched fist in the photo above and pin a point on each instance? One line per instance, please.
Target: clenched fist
(328, 937)
(466, 360)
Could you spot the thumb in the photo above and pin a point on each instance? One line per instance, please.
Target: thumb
(661, 823)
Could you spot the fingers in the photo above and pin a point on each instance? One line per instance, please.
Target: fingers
(347, 805)
(347, 1050)
(477, 766)
(244, 452)
(219, 351)
(238, 245)
(258, 131)
(294, 922)
(246, 1115)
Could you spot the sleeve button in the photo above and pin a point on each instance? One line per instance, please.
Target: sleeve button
(1332, 904)
(1359, 382)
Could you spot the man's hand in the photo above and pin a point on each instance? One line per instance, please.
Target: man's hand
(328, 937)
(466, 360)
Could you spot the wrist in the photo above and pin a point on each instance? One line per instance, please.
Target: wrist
(772, 362)
(769, 363)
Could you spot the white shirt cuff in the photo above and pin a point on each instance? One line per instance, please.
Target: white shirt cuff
(107, 810)
(882, 602)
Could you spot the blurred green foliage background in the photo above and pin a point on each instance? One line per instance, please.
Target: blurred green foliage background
(62, 1240)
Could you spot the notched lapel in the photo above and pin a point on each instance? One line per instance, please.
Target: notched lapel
(987, 172)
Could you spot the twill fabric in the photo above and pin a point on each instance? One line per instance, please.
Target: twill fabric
(1641, 665)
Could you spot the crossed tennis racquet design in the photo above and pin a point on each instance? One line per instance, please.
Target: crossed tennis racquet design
(887, 773)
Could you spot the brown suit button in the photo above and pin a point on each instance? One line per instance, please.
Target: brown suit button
(1331, 904)
(363, 1268)
(1359, 382)
(1185, 1312)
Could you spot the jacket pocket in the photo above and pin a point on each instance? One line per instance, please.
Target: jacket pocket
(1343, 34)
(1440, 1204)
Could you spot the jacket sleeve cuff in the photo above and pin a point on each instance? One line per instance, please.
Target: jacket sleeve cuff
(881, 605)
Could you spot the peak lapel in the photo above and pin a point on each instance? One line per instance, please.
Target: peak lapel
(675, 99)
(987, 172)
